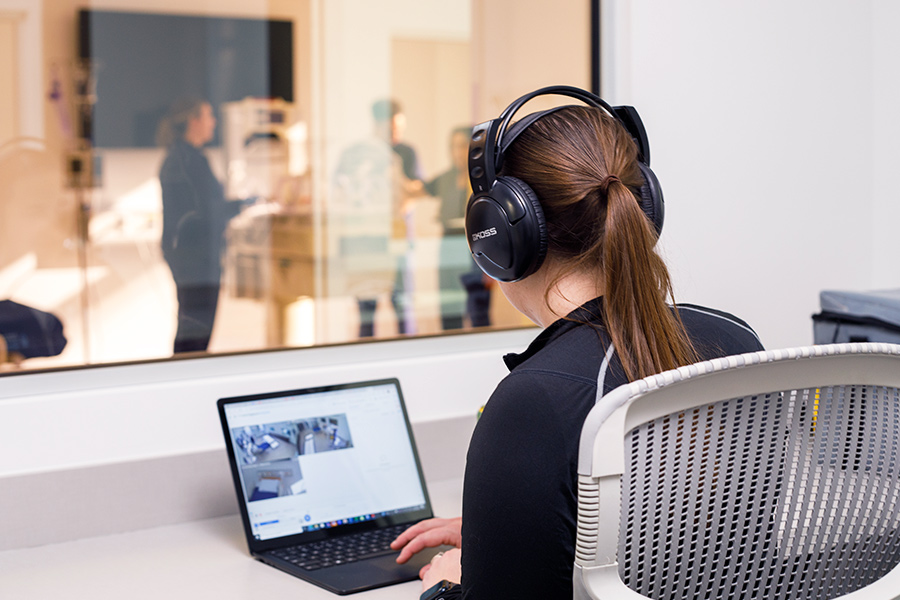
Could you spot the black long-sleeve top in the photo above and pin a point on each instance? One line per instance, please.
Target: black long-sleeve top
(520, 489)
(195, 214)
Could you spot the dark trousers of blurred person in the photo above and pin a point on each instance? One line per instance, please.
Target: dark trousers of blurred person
(198, 300)
(197, 306)
(478, 298)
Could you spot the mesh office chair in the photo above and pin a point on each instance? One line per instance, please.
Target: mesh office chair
(765, 475)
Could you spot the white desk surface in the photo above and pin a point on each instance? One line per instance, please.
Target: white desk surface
(201, 559)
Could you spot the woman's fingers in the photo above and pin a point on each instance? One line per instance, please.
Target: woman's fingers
(427, 534)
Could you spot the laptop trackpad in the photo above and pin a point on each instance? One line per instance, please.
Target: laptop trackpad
(374, 572)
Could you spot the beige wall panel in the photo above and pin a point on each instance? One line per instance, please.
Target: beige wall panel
(522, 45)
(431, 79)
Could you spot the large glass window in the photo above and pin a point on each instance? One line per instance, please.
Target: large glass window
(285, 174)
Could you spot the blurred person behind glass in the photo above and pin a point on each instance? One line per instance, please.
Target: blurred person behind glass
(463, 289)
(375, 182)
(195, 215)
(390, 124)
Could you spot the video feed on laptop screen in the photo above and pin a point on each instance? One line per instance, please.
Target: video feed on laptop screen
(317, 460)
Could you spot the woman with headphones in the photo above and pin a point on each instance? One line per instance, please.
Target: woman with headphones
(565, 215)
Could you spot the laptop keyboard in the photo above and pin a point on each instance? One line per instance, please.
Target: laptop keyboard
(341, 550)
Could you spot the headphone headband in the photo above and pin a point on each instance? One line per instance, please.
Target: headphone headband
(491, 139)
(558, 90)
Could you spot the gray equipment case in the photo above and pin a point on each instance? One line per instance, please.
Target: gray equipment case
(857, 317)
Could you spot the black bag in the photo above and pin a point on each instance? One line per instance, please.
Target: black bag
(29, 331)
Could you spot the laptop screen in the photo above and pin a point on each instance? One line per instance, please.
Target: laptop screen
(315, 459)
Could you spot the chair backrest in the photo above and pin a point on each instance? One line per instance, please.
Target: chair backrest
(765, 475)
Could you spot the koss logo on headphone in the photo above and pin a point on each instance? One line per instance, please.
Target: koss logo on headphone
(504, 219)
(480, 235)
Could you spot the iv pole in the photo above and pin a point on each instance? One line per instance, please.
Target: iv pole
(80, 172)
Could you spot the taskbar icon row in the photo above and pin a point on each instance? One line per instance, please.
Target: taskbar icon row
(356, 519)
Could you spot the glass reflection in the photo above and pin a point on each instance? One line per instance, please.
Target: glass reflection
(312, 192)
(370, 220)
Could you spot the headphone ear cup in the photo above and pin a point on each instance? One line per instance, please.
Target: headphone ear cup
(533, 249)
(652, 202)
(506, 230)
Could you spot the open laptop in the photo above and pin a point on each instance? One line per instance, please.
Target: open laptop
(323, 467)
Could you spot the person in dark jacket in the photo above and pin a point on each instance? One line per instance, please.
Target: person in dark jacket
(602, 296)
(195, 215)
(462, 286)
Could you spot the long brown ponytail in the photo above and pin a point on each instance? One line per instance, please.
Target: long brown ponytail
(582, 165)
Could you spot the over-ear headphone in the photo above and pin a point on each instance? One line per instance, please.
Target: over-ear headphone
(505, 225)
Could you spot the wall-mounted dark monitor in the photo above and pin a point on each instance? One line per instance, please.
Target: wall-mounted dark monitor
(143, 62)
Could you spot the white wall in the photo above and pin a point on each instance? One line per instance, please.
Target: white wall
(885, 122)
(97, 416)
(767, 127)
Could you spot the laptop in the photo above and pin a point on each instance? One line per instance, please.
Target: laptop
(325, 478)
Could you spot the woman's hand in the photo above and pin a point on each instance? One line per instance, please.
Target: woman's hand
(444, 565)
(428, 534)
